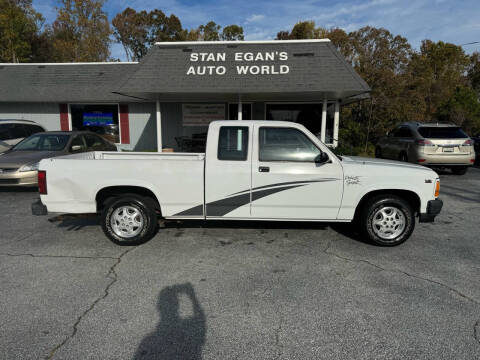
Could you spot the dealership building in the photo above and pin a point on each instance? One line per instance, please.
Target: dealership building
(168, 98)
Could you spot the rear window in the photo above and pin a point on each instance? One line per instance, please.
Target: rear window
(434, 132)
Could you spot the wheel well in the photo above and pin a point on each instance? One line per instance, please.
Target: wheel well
(112, 191)
(407, 195)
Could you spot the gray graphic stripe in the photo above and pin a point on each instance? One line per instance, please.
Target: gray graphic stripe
(286, 183)
(224, 206)
(194, 211)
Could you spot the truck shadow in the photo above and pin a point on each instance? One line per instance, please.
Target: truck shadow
(75, 222)
(176, 336)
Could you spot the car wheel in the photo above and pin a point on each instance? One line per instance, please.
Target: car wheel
(387, 220)
(403, 157)
(459, 170)
(378, 152)
(129, 219)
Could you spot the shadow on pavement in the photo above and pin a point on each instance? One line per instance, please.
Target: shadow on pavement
(175, 337)
(75, 222)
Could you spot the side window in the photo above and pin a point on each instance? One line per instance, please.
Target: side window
(286, 144)
(233, 143)
(33, 129)
(4, 132)
(404, 132)
(17, 131)
(78, 144)
(93, 142)
(396, 132)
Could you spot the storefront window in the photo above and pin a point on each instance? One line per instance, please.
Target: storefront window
(309, 115)
(246, 111)
(100, 119)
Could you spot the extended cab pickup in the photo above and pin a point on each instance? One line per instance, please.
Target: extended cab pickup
(251, 170)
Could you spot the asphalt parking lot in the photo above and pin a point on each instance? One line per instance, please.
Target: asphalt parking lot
(240, 290)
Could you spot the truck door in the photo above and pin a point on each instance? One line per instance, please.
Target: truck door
(228, 171)
(287, 183)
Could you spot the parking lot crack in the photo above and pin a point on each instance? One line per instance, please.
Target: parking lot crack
(476, 327)
(112, 275)
(60, 256)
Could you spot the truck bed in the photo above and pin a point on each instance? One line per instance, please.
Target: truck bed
(176, 179)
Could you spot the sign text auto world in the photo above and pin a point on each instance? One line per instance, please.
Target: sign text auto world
(246, 63)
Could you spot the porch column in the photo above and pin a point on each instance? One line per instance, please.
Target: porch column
(336, 123)
(324, 121)
(239, 117)
(159, 127)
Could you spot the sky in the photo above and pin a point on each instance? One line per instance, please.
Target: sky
(455, 21)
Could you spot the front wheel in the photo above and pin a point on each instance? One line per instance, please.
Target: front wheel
(387, 220)
(129, 219)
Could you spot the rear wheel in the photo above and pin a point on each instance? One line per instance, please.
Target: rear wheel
(129, 219)
(403, 157)
(459, 170)
(378, 152)
(387, 220)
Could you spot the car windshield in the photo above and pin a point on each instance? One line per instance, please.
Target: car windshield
(436, 132)
(43, 142)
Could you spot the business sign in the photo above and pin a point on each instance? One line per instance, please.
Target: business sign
(97, 118)
(202, 114)
(244, 63)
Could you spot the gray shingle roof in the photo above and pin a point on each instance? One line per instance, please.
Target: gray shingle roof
(313, 67)
(315, 70)
(63, 82)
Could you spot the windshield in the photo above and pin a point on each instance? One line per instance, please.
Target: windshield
(435, 132)
(43, 142)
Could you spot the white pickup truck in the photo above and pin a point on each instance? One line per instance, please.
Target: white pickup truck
(251, 170)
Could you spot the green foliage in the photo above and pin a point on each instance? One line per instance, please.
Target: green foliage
(232, 32)
(20, 26)
(81, 32)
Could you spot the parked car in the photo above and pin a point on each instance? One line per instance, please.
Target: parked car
(19, 165)
(252, 170)
(14, 131)
(476, 146)
(430, 144)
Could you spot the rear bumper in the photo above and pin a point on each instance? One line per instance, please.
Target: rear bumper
(433, 209)
(38, 208)
(26, 178)
(445, 159)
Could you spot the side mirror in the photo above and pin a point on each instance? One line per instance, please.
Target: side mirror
(322, 158)
(76, 148)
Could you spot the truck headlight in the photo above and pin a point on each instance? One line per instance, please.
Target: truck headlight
(29, 167)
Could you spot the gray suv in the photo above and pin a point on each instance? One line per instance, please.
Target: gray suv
(429, 144)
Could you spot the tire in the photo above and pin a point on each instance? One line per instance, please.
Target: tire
(459, 170)
(389, 232)
(403, 157)
(378, 152)
(138, 215)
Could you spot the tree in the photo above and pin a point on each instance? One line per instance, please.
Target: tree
(436, 71)
(232, 32)
(19, 26)
(81, 31)
(474, 72)
(462, 108)
(131, 30)
(209, 31)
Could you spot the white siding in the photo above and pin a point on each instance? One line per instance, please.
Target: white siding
(46, 114)
(143, 127)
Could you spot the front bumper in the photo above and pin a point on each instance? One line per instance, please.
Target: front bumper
(38, 208)
(17, 178)
(433, 209)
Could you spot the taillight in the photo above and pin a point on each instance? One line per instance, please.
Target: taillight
(437, 188)
(42, 182)
(468, 142)
(424, 142)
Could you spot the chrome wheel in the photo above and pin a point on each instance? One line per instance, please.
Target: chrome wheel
(388, 222)
(127, 221)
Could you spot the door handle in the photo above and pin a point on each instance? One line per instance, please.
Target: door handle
(264, 169)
